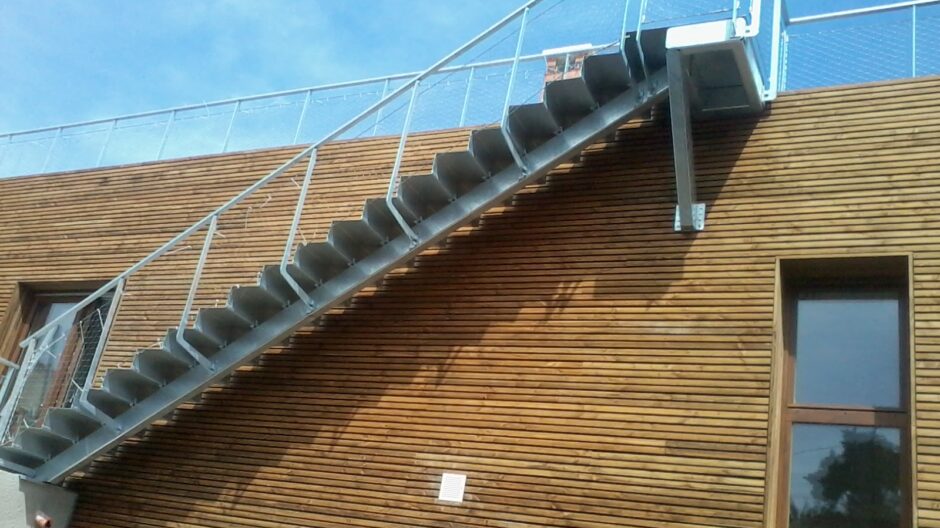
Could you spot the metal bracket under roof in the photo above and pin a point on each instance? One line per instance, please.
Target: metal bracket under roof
(712, 72)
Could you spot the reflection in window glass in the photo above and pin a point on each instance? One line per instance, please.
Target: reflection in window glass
(845, 477)
(847, 351)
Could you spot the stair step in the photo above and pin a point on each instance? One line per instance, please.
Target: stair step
(424, 195)
(569, 100)
(271, 281)
(20, 457)
(42, 442)
(129, 385)
(489, 148)
(71, 423)
(320, 262)
(531, 125)
(375, 212)
(222, 324)
(354, 239)
(160, 365)
(459, 172)
(171, 346)
(606, 76)
(107, 402)
(203, 343)
(254, 303)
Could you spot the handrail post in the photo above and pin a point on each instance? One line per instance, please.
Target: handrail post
(303, 115)
(55, 141)
(466, 98)
(166, 133)
(231, 123)
(623, 41)
(513, 148)
(9, 146)
(294, 226)
(393, 180)
(107, 141)
(776, 34)
(9, 406)
(102, 340)
(378, 113)
(193, 287)
(914, 40)
(753, 27)
(639, 45)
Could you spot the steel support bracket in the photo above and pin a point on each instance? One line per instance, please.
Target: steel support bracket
(698, 218)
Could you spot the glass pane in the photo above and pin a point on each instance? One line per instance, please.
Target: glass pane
(845, 477)
(848, 350)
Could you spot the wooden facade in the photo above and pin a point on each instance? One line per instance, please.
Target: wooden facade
(583, 364)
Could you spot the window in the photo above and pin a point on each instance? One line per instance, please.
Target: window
(63, 356)
(845, 432)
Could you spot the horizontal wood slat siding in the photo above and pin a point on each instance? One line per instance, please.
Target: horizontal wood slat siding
(583, 364)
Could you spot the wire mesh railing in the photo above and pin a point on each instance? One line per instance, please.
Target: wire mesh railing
(873, 43)
(482, 83)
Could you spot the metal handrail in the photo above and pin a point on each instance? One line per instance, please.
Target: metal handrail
(283, 168)
(859, 11)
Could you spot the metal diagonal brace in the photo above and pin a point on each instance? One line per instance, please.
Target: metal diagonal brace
(690, 216)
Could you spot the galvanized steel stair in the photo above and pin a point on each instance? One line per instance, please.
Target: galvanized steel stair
(461, 186)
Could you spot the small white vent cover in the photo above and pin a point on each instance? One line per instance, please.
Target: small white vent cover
(452, 485)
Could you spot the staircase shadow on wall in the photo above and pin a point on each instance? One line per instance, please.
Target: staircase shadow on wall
(344, 398)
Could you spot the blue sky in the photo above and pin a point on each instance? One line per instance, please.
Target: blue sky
(72, 60)
(63, 61)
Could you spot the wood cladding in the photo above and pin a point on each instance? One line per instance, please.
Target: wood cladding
(583, 364)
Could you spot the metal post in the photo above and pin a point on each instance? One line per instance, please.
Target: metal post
(687, 211)
(753, 26)
(8, 377)
(102, 340)
(378, 113)
(303, 115)
(55, 141)
(393, 180)
(773, 79)
(231, 123)
(466, 98)
(785, 60)
(295, 224)
(107, 140)
(166, 133)
(623, 40)
(639, 44)
(914, 40)
(3, 152)
(513, 149)
(10, 404)
(735, 7)
(193, 287)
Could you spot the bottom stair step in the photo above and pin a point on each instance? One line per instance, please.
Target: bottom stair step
(20, 457)
(42, 442)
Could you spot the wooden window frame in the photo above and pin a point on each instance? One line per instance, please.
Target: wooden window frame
(872, 274)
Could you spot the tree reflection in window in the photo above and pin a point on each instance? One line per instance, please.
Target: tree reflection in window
(845, 477)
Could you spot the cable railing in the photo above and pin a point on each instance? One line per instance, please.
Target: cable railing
(873, 43)
(474, 85)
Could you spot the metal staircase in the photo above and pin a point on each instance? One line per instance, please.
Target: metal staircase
(417, 211)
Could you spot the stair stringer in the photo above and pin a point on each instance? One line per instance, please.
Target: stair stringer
(602, 121)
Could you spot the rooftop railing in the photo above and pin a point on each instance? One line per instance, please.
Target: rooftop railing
(873, 43)
(299, 117)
